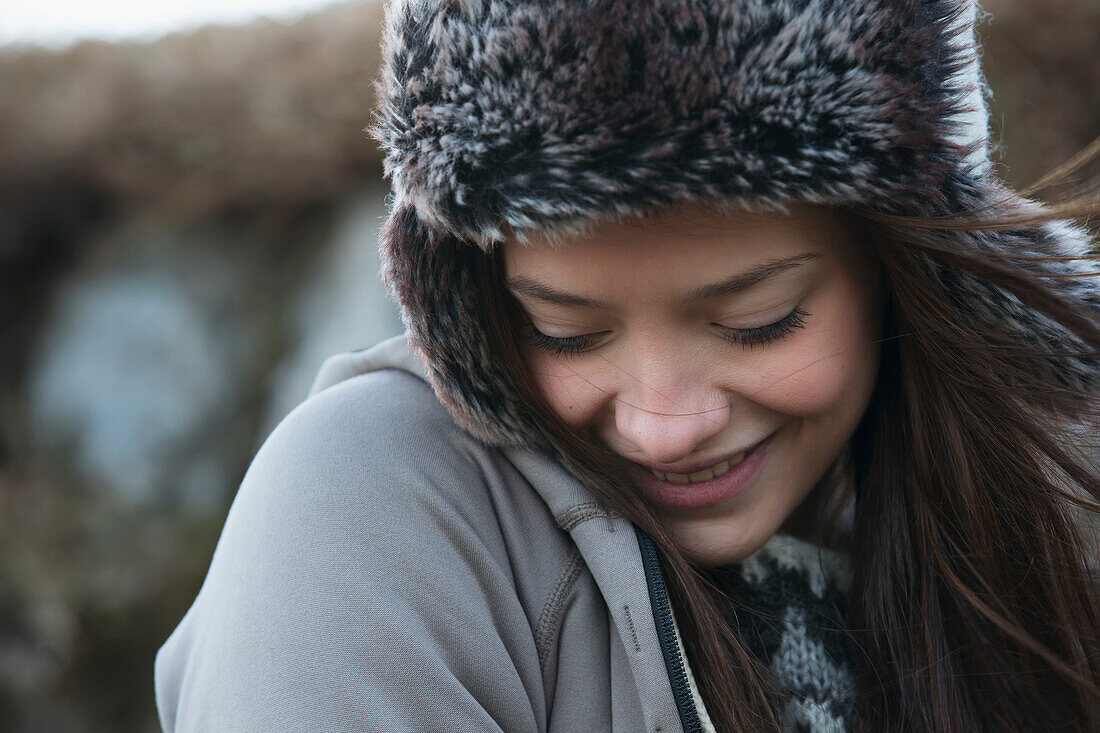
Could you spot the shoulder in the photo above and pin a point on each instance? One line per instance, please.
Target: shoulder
(370, 473)
(373, 445)
(364, 545)
(383, 415)
(373, 471)
(379, 458)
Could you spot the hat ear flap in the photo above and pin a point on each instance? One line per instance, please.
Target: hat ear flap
(1072, 275)
(434, 280)
(1001, 284)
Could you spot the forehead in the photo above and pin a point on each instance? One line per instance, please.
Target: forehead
(689, 242)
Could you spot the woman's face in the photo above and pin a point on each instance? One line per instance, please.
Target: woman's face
(697, 338)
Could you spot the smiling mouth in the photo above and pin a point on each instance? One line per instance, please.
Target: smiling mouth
(703, 488)
(706, 474)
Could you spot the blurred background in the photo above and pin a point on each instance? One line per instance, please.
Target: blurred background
(188, 215)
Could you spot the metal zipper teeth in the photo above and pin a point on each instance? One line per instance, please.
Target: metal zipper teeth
(666, 634)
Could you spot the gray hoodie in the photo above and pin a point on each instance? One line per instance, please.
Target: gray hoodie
(381, 570)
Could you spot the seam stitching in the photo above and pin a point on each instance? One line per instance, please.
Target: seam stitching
(570, 518)
(546, 628)
(630, 625)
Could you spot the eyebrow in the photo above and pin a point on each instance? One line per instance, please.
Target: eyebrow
(735, 284)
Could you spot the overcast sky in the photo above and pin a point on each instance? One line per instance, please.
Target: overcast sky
(60, 22)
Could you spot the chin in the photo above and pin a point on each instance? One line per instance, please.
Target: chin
(712, 546)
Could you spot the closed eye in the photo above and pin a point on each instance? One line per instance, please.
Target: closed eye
(746, 337)
(781, 329)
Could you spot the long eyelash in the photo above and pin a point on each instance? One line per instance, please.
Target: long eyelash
(749, 337)
(746, 337)
(559, 346)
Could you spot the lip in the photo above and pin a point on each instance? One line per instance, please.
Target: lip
(706, 493)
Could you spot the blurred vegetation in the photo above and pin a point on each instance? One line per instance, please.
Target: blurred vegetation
(258, 129)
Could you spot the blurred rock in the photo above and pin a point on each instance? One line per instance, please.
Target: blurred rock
(141, 355)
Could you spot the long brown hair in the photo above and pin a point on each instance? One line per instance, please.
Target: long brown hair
(973, 601)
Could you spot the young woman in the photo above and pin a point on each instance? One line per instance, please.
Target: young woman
(736, 394)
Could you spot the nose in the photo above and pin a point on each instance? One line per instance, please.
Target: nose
(667, 429)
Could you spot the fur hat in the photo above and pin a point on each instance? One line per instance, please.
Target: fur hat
(504, 117)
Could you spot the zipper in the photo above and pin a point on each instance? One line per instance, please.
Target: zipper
(666, 634)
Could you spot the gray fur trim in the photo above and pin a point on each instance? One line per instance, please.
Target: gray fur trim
(501, 116)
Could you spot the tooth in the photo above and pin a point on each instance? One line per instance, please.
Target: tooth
(705, 475)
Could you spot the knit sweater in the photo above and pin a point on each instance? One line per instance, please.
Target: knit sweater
(789, 603)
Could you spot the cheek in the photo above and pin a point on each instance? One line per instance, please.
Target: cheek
(829, 369)
(570, 389)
